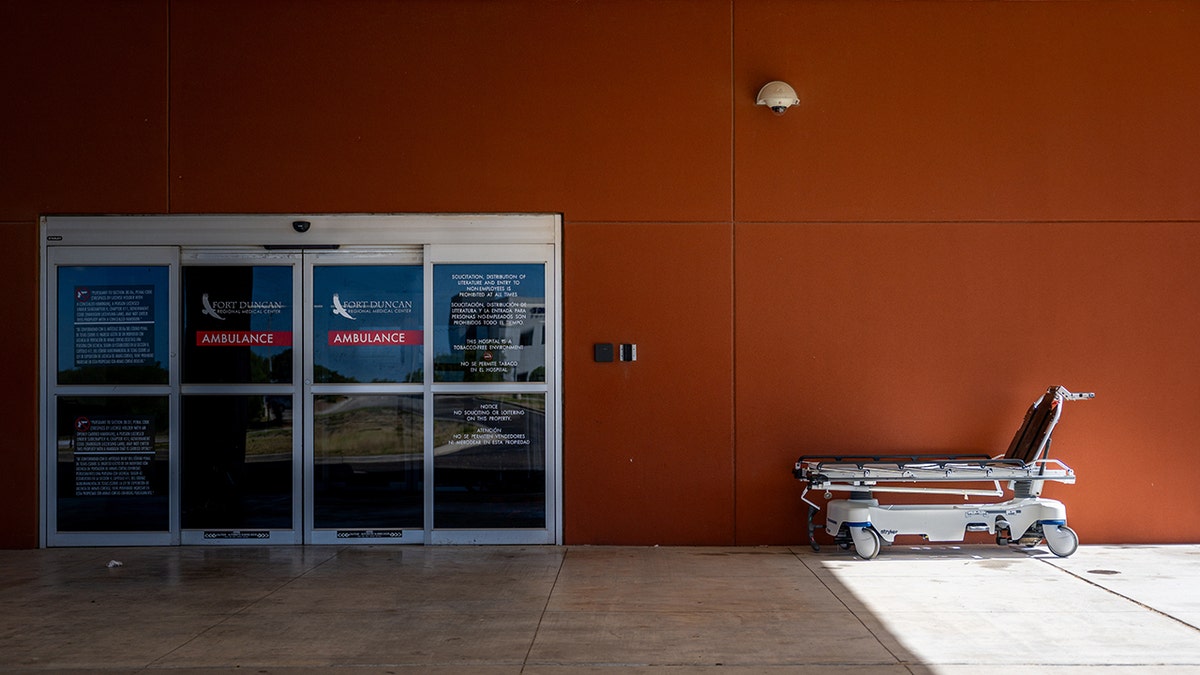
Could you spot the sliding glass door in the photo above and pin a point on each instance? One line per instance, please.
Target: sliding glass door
(349, 394)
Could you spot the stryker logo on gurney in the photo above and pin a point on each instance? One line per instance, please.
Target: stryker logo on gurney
(1026, 519)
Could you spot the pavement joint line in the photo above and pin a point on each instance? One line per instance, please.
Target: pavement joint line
(1139, 603)
(898, 660)
(562, 561)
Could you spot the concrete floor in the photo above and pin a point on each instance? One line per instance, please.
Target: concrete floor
(939, 609)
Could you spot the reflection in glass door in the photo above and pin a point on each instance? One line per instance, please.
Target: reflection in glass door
(239, 448)
(364, 384)
(489, 461)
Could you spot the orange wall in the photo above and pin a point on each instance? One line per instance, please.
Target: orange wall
(963, 111)
(648, 445)
(940, 336)
(451, 106)
(973, 202)
(18, 451)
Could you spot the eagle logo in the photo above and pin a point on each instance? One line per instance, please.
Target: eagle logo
(208, 308)
(339, 310)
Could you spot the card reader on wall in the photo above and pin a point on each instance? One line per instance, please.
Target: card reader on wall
(603, 352)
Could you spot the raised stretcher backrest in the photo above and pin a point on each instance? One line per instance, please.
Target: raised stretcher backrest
(1035, 430)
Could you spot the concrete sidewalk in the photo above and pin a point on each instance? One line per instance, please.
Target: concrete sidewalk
(934, 609)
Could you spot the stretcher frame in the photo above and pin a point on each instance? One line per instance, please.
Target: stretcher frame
(1026, 519)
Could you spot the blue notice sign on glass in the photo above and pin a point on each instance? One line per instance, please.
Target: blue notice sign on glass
(489, 322)
(112, 324)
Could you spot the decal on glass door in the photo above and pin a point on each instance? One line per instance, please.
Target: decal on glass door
(112, 463)
(367, 323)
(490, 323)
(237, 324)
(112, 325)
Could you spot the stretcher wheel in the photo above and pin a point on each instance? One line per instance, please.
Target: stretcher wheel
(869, 546)
(1061, 540)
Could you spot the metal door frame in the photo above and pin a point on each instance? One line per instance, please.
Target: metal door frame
(129, 240)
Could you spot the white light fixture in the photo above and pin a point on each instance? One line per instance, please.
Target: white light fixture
(778, 96)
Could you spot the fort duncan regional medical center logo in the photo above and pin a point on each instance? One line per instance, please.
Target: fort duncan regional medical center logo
(221, 310)
(350, 309)
(353, 309)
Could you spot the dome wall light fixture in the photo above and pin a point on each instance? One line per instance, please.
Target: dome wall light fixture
(778, 96)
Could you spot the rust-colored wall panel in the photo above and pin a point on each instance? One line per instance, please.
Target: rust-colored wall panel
(919, 111)
(608, 111)
(648, 445)
(18, 399)
(83, 127)
(855, 338)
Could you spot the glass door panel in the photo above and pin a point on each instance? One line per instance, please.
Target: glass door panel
(240, 445)
(110, 457)
(113, 464)
(364, 384)
(366, 324)
(489, 461)
(237, 465)
(113, 325)
(492, 481)
(490, 323)
(238, 323)
(368, 468)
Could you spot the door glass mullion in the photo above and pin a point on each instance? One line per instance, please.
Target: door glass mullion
(430, 441)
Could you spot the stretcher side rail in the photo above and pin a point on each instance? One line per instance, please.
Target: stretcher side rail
(864, 459)
(821, 472)
(912, 479)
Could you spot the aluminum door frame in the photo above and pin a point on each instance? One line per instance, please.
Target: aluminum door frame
(442, 235)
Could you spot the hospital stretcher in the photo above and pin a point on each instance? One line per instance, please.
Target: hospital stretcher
(1026, 519)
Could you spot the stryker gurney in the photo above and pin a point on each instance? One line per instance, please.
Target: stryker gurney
(1026, 519)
